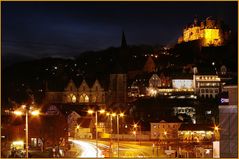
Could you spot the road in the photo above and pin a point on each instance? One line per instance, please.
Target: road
(127, 149)
(87, 149)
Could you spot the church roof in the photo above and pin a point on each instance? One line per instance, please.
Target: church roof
(85, 122)
(123, 42)
(60, 85)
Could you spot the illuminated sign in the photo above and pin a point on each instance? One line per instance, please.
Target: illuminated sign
(224, 100)
(182, 83)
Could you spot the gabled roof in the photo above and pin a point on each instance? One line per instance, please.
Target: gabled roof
(66, 109)
(85, 122)
(61, 85)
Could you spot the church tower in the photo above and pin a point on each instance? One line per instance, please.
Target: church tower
(118, 77)
(123, 42)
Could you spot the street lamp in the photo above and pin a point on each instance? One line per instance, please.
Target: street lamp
(135, 132)
(117, 119)
(111, 130)
(216, 133)
(102, 111)
(27, 111)
(166, 139)
(118, 115)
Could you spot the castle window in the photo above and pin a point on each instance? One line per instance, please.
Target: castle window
(84, 98)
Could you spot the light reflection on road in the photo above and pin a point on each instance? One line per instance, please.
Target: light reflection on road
(87, 149)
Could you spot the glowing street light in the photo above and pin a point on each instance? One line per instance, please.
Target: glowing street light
(102, 111)
(121, 114)
(117, 119)
(18, 113)
(165, 132)
(135, 132)
(90, 111)
(35, 113)
(27, 111)
(118, 115)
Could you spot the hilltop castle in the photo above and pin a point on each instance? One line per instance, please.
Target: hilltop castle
(210, 32)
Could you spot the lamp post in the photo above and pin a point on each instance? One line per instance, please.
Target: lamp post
(165, 136)
(135, 132)
(27, 111)
(117, 120)
(102, 111)
(111, 132)
(26, 133)
(216, 133)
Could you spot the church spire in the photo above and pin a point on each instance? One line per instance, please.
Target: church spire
(123, 42)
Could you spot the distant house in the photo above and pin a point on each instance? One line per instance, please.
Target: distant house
(165, 130)
(72, 119)
(155, 81)
(84, 128)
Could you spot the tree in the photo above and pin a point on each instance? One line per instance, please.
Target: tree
(53, 130)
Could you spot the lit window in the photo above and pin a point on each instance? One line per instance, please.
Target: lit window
(72, 98)
(34, 142)
(84, 98)
(94, 99)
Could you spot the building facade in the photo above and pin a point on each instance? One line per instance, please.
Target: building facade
(209, 32)
(72, 121)
(164, 130)
(207, 86)
(84, 94)
(228, 122)
(202, 133)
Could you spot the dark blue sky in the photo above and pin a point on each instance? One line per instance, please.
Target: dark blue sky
(39, 29)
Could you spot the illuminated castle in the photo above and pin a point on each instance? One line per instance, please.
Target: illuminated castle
(209, 32)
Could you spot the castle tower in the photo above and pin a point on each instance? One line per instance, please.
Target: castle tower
(195, 21)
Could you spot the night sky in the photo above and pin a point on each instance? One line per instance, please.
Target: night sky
(40, 29)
